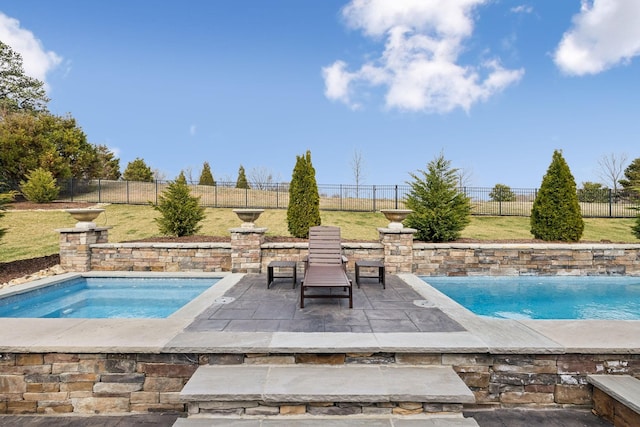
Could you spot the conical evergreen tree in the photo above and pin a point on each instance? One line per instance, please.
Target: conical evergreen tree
(242, 179)
(206, 177)
(440, 210)
(304, 200)
(555, 214)
(181, 212)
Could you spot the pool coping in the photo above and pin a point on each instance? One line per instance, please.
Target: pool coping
(482, 335)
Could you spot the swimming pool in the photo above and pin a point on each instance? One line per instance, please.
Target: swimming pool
(106, 297)
(549, 297)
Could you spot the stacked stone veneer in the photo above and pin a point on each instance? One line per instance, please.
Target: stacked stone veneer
(534, 259)
(418, 258)
(170, 257)
(75, 246)
(116, 383)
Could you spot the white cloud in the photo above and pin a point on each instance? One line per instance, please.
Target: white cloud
(36, 61)
(604, 34)
(192, 130)
(522, 9)
(116, 151)
(419, 65)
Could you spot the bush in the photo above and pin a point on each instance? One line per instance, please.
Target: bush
(304, 200)
(502, 193)
(181, 212)
(555, 214)
(40, 186)
(593, 192)
(137, 170)
(440, 210)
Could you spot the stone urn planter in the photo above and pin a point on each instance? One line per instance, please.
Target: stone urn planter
(248, 216)
(396, 216)
(85, 216)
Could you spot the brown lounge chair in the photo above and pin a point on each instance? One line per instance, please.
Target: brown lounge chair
(325, 265)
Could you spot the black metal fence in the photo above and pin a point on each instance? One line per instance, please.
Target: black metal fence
(603, 203)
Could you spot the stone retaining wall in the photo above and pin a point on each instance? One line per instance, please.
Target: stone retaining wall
(170, 257)
(117, 383)
(429, 259)
(450, 259)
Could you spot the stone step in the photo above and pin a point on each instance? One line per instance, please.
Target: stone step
(423, 421)
(326, 389)
(616, 398)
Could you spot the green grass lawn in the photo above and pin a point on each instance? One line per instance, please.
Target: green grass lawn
(32, 234)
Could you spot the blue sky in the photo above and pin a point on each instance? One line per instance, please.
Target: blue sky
(495, 85)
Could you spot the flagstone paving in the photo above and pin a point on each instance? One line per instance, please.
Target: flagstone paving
(254, 308)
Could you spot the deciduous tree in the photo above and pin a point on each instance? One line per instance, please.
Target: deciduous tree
(357, 167)
(612, 168)
(593, 192)
(261, 178)
(502, 193)
(30, 141)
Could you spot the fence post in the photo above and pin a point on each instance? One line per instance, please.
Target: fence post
(99, 191)
(156, 191)
(72, 189)
(246, 197)
(610, 204)
(396, 196)
(340, 196)
(374, 198)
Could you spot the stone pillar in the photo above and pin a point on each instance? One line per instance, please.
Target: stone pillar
(246, 249)
(75, 246)
(398, 249)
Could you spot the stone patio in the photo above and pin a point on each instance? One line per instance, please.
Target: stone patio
(254, 308)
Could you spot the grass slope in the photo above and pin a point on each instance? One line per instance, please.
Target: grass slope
(32, 234)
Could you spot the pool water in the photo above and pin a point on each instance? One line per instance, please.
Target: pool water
(106, 297)
(534, 297)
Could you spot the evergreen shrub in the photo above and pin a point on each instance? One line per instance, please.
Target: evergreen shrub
(304, 200)
(181, 212)
(242, 182)
(555, 214)
(440, 210)
(40, 186)
(206, 177)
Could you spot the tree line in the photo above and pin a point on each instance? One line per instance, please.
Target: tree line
(624, 181)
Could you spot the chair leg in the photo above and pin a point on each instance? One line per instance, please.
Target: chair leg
(269, 276)
(302, 295)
